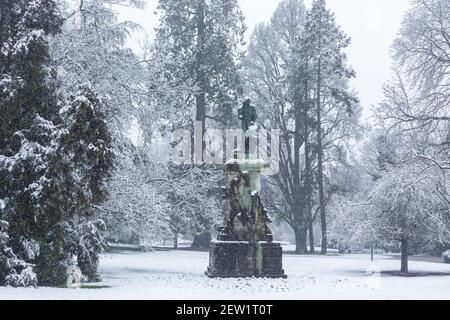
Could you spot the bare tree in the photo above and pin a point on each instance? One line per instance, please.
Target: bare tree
(268, 74)
(418, 99)
(406, 205)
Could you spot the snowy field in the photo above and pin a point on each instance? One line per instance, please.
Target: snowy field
(180, 275)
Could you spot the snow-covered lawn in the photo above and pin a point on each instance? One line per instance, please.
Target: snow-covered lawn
(180, 275)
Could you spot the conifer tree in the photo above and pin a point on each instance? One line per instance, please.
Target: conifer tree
(323, 47)
(29, 111)
(53, 159)
(198, 42)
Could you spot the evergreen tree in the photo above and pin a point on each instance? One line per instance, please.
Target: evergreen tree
(13, 271)
(195, 59)
(29, 110)
(323, 48)
(86, 151)
(88, 143)
(53, 159)
(78, 169)
(198, 43)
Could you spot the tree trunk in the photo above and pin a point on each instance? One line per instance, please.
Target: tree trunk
(404, 266)
(309, 189)
(320, 161)
(175, 240)
(323, 217)
(309, 214)
(200, 99)
(298, 190)
(312, 247)
(300, 238)
(308, 180)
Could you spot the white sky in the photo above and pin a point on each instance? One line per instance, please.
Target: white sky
(372, 25)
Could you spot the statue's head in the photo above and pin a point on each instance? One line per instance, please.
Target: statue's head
(246, 101)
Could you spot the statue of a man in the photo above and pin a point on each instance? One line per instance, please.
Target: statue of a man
(247, 113)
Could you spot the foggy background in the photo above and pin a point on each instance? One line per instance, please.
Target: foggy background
(371, 24)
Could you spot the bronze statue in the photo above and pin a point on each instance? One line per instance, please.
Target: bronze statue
(244, 245)
(247, 113)
(247, 220)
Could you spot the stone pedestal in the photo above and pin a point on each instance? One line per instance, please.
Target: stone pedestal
(238, 259)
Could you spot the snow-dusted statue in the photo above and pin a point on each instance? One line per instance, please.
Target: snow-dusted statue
(245, 247)
(247, 218)
(247, 113)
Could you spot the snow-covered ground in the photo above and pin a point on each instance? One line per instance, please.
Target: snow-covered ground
(180, 275)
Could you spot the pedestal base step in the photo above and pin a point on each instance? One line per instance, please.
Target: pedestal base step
(230, 259)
